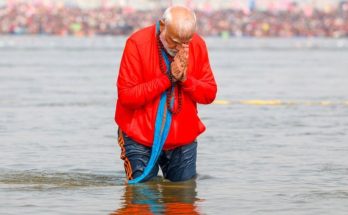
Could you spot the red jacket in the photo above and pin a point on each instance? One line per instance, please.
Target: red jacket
(140, 83)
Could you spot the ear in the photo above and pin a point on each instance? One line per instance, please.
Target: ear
(162, 25)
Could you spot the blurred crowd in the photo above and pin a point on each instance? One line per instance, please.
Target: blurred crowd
(295, 21)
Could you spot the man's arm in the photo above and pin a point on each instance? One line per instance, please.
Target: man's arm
(202, 88)
(133, 92)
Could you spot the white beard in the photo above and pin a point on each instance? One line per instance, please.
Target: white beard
(171, 52)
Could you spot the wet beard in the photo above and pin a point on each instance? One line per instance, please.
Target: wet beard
(171, 52)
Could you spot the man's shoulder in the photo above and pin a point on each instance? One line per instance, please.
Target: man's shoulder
(197, 40)
(143, 35)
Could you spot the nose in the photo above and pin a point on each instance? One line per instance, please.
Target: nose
(185, 45)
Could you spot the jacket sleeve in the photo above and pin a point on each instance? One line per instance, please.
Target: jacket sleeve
(201, 86)
(133, 91)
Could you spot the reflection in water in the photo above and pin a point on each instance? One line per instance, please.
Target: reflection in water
(159, 197)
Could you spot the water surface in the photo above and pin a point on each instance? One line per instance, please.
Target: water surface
(58, 140)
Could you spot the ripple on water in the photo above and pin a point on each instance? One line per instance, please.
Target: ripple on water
(323, 195)
(62, 180)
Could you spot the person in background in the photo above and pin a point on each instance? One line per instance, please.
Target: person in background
(167, 59)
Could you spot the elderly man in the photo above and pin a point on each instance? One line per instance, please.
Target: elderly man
(164, 73)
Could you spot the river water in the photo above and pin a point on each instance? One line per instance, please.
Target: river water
(276, 139)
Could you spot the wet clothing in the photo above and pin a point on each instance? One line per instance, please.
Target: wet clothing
(178, 164)
(140, 83)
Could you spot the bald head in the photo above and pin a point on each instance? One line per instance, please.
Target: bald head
(181, 20)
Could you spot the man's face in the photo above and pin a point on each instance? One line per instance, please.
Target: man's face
(171, 40)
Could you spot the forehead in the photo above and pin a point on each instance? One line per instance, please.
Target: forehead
(174, 35)
(171, 31)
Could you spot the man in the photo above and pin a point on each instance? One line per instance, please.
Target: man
(164, 73)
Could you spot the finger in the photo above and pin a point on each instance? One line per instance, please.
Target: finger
(186, 49)
(184, 45)
(181, 52)
(183, 57)
(186, 54)
(178, 55)
(177, 75)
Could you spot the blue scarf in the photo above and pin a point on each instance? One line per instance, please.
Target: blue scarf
(162, 126)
